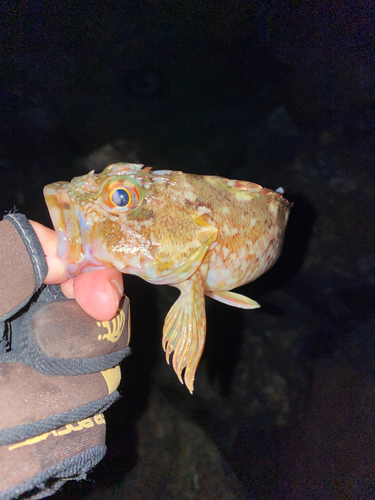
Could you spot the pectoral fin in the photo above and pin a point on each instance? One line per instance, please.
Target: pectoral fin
(233, 299)
(184, 330)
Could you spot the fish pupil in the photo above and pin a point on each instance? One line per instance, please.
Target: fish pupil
(120, 197)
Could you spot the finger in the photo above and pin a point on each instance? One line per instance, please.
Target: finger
(48, 240)
(99, 292)
(67, 288)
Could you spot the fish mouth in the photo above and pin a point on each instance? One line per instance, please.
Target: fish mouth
(73, 233)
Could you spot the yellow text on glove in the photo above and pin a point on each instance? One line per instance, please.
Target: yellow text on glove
(87, 423)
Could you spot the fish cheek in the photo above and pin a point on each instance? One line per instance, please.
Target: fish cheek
(107, 240)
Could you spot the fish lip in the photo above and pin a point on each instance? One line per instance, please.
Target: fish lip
(52, 196)
(65, 220)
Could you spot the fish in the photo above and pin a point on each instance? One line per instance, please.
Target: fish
(203, 234)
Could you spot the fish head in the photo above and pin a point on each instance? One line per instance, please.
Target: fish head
(132, 219)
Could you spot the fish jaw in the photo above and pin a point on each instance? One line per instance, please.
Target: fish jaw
(74, 235)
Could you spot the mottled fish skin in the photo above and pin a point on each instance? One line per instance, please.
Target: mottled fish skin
(204, 235)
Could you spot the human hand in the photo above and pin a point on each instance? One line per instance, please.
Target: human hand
(54, 350)
(98, 292)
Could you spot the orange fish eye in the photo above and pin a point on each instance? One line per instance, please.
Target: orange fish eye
(120, 194)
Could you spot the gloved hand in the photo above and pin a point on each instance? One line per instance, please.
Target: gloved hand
(58, 372)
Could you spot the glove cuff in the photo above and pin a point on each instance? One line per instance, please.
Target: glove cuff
(58, 456)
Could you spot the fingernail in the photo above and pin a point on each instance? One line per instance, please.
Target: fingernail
(117, 289)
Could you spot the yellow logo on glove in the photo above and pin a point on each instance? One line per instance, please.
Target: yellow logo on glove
(114, 327)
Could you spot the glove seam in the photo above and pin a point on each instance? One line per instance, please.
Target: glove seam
(32, 245)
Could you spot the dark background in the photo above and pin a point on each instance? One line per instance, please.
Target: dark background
(276, 92)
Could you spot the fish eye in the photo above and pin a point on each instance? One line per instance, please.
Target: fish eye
(121, 197)
(120, 194)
